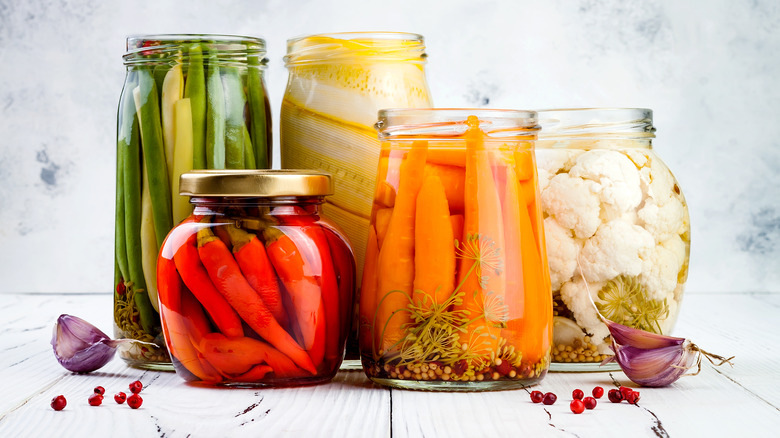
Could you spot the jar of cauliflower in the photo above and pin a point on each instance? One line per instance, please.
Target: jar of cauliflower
(617, 230)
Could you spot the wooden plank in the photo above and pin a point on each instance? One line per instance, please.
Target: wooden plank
(171, 406)
(720, 402)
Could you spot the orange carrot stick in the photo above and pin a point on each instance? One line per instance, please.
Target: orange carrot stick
(226, 276)
(481, 273)
(434, 248)
(381, 222)
(453, 179)
(197, 280)
(456, 220)
(253, 261)
(367, 297)
(535, 328)
(396, 258)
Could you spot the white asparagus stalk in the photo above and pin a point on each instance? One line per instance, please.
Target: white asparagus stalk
(182, 157)
(172, 92)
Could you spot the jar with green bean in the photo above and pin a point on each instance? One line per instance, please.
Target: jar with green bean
(188, 102)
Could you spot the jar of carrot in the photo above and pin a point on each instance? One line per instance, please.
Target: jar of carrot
(256, 286)
(456, 290)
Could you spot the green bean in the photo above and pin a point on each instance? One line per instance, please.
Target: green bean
(234, 117)
(148, 107)
(249, 153)
(215, 117)
(120, 249)
(195, 90)
(129, 147)
(258, 110)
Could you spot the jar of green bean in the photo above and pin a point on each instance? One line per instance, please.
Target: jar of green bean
(188, 102)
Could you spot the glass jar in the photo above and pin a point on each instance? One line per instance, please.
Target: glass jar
(456, 292)
(256, 286)
(188, 102)
(337, 83)
(617, 229)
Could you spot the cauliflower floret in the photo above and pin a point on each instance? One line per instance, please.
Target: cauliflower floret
(664, 220)
(555, 160)
(574, 203)
(617, 177)
(617, 248)
(661, 181)
(637, 156)
(544, 178)
(659, 275)
(562, 250)
(575, 295)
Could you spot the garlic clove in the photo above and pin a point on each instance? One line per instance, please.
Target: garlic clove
(81, 347)
(625, 335)
(657, 366)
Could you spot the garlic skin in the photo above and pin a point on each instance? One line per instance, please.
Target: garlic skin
(653, 360)
(658, 366)
(79, 346)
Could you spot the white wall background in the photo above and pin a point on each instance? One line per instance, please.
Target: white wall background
(709, 69)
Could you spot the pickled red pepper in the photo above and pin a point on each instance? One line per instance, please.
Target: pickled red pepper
(461, 226)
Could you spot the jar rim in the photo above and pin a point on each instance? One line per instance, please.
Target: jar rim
(335, 47)
(451, 122)
(255, 183)
(608, 122)
(167, 45)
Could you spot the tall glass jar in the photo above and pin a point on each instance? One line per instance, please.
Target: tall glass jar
(617, 228)
(256, 286)
(188, 102)
(337, 83)
(456, 293)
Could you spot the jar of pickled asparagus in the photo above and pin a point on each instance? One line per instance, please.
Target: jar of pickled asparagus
(617, 229)
(456, 293)
(337, 83)
(188, 102)
(256, 285)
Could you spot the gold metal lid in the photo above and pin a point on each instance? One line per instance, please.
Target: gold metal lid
(255, 183)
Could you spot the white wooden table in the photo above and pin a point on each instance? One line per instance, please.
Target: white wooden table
(739, 401)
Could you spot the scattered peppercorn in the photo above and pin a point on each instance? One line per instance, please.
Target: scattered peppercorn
(100, 390)
(58, 403)
(537, 396)
(633, 397)
(135, 401)
(624, 390)
(577, 406)
(136, 387)
(598, 392)
(577, 394)
(95, 399)
(615, 396)
(589, 402)
(120, 397)
(549, 398)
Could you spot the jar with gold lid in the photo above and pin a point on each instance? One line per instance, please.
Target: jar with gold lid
(256, 285)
